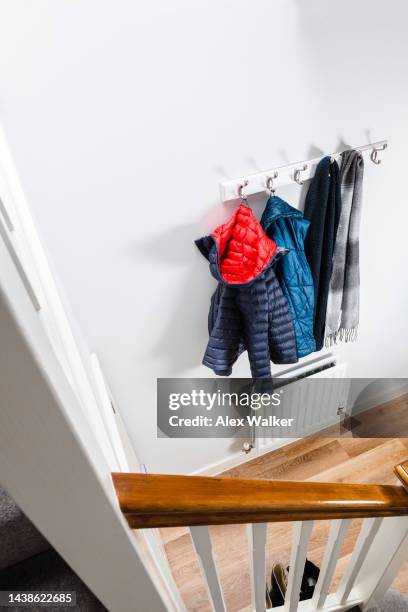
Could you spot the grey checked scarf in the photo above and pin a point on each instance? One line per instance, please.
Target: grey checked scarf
(342, 315)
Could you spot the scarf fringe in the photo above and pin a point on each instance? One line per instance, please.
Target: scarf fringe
(342, 335)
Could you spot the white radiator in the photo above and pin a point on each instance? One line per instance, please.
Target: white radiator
(313, 405)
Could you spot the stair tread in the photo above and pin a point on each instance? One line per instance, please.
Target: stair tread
(19, 538)
(47, 571)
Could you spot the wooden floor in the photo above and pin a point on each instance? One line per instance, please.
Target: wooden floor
(342, 459)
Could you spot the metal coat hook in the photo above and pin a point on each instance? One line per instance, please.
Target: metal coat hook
(264, 180)
(296, 175)
(269, 183)
(374, 154)
(243, 197)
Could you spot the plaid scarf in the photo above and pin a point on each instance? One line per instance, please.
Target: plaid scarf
(343, 306)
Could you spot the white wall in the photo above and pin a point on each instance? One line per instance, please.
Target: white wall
(123, 116)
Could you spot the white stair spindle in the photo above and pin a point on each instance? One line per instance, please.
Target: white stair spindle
(337, 534)
(203, 546)
(301, 536)
(367, 534)
(389, 574)
(387, 553)
(257, 541)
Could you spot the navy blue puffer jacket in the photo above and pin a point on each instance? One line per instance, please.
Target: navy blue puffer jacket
(248, 309)
(288, 228)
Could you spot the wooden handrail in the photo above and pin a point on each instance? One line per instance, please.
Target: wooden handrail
(401, 471)
(153, 500)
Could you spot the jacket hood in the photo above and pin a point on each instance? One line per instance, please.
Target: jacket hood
(278, 208)
(239, 250)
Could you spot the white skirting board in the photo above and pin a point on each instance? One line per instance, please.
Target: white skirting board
(378, 395)
(235, 459)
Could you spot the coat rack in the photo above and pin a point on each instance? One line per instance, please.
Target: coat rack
(285, 175)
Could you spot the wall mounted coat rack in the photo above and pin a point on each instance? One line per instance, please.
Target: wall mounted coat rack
(285, 175)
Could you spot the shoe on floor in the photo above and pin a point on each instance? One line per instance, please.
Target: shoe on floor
(279, 584)
(309, 580)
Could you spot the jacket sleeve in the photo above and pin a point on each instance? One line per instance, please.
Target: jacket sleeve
(281, 332)
(253, 305)
(225, 332)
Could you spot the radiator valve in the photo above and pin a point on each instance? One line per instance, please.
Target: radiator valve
(341, 410)
(247, 447)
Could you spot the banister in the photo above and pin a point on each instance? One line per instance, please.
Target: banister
(401, 471)
(157, 500)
